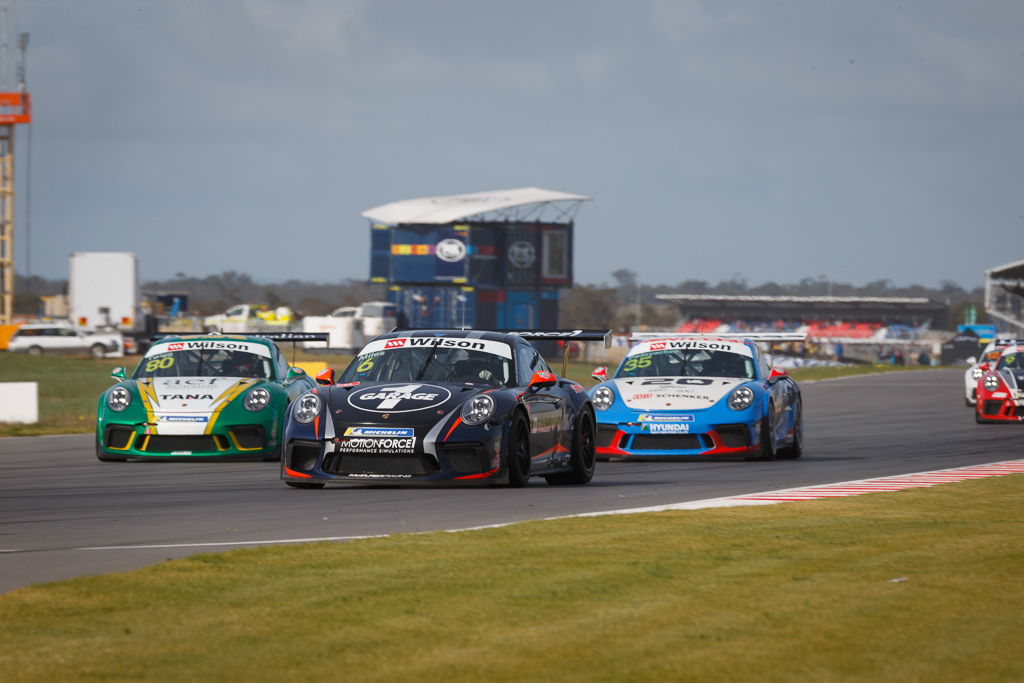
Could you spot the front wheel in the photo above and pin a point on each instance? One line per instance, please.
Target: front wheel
(97, 351)
(583, 455)
(767, 451)
(518, 456)
(35, 350)
(796, 449)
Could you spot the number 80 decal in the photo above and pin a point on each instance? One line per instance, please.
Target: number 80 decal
(159, 363)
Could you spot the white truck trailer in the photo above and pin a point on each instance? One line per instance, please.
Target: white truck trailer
(350, 327)
(103, 291)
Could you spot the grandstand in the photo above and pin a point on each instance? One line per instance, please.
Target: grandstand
(1004, 297)
(870, 328)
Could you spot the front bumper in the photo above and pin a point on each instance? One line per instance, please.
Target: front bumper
(630, 440)
(241, 441)
(456, 462)
(999, 409)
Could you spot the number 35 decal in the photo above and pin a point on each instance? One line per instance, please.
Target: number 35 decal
(638, 362)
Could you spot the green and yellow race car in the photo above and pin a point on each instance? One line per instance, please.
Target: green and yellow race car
(207, 396)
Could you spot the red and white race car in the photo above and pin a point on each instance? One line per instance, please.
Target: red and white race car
(989, 358)
(1001, 388)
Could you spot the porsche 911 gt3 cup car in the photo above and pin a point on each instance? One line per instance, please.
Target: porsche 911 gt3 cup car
(219, 396)
(989, 357)
(1001, 388)
(429, 406)
(693, 395)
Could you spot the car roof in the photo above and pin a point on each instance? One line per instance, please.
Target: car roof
(738, 339)
(217, 337)
(44, 326)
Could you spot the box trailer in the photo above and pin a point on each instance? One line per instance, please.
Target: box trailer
(103, 291)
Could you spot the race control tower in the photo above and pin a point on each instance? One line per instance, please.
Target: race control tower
(494, 260)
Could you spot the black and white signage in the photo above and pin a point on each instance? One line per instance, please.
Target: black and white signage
(521, 254)
(398, 398)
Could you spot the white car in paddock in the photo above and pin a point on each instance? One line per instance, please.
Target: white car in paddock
(989, 357)
(37, 339)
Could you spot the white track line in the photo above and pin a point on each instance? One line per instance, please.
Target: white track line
(839, 489)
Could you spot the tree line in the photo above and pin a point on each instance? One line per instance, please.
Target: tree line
(623, 302)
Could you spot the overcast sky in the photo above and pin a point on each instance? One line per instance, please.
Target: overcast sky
(774, 140)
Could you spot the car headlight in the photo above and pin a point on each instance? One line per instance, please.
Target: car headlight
(478, 409)
(257, 399)
(307, 408)
(977, 373)
(991, 382)
(603, 398)
(741, 398)
(118, 399)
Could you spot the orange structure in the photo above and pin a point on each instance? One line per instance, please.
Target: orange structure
(15, 109)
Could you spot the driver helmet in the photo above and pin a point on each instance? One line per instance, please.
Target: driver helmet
(241, 365)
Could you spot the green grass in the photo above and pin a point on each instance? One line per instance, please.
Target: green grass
(70, 386)
(68, 390)
(922, 585)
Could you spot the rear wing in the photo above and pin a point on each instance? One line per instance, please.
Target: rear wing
(1007, 341)
(604, 336)
(752, 336)
(272, 336)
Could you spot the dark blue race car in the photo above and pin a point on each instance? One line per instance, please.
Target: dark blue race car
(695, 395)
(432, 406)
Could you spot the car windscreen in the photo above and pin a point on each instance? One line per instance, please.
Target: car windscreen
(687, 363)
(430, 364)
(204, 363)
(1011, 361)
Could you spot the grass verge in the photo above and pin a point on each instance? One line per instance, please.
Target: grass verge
(917, 585)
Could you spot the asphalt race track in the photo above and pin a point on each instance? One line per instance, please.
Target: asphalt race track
(65, 514)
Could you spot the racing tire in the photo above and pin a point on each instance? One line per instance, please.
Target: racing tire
(518, 456)
(103, 456)
(35, 350)
(795, 449)
(767, 442)
(97, 351)
(583, 454)
(305, 484)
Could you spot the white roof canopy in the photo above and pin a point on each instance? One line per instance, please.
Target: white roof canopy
(440, 210)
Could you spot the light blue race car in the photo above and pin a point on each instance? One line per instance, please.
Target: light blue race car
(694, 395)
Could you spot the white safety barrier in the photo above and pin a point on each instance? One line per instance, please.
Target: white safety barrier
(19, 402)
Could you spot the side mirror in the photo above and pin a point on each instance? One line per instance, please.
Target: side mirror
(777, 373)
(294, 372)
(117, 373)
(325, 376)
(542, 378)
(971, 360)
(600, 373)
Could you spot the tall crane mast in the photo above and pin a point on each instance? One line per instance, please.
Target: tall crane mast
(15, 109)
